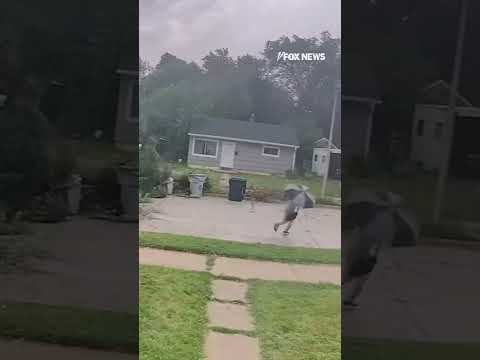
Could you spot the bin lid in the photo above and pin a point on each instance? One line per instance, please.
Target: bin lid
(239, 179)
(197, 176)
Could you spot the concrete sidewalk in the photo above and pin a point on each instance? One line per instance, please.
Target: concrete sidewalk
(243, 269)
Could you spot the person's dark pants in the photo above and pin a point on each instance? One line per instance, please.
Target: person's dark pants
(357, 277)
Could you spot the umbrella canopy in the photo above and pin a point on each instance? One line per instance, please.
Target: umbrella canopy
(299, 195)
(292, 190)
(382, 216)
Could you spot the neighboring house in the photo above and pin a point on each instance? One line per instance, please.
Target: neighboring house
(126, 127)
(320, 163)
(428, 133)
(242, 145)
(360, 96)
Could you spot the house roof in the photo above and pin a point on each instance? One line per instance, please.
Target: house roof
(438, 93)
(323, 143)
(245, 130)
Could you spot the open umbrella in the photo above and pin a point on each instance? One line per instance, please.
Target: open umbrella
(381, 215)
(299, 195)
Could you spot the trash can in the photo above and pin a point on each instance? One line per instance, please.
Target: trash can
(168, 186)
(238, 187)
(196, 185)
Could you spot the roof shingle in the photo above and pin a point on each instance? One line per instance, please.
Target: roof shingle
(245, 130)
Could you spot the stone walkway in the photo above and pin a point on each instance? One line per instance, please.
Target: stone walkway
(242, 269)
(232, 328)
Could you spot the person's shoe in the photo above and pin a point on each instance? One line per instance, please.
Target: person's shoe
(275, 227)
(350, 304)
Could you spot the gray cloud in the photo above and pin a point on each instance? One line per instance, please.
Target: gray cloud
(191, 28)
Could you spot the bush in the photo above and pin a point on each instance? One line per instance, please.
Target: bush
(64, 163)
(151, 173)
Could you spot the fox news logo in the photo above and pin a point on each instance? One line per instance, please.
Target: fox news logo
(282, 55)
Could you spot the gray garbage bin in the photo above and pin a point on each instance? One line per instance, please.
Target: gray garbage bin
(238, 187)
(196, 184)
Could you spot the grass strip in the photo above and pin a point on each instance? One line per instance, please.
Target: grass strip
(71, 326)
(235, 249)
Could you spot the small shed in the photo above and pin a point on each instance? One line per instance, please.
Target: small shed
(248, 146)
(430, 115)
(320, 159)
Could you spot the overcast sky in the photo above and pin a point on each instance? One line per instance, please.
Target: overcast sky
(189, 29)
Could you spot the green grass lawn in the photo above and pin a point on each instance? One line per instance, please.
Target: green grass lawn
(361, 349)
(70, 326)
(240, 250)
(296, 321)
(173, 313)
(270, 182)
(278, 183)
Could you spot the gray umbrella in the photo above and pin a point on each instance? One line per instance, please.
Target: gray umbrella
(382, 215)
(299, 195)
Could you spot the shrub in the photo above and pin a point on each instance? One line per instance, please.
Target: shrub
(149, 172)
(64, 163)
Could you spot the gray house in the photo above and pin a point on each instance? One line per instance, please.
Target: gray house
(242, 145)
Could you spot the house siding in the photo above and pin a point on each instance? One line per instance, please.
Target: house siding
(248, 157)
(126, 131)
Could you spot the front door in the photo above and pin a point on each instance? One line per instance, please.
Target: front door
(228, 155)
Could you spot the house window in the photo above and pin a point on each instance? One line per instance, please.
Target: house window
(271, 151)
(324, 158)
(438, 131)
(420, 127)
(206, 148)
(315, 158)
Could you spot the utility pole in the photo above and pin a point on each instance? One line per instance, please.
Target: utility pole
(330, 135)
(450, 121)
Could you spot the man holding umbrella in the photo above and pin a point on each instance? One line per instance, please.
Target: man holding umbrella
(372, 222)
(298, 198)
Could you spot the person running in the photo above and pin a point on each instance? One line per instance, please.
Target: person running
(291, 213)
(373, 230)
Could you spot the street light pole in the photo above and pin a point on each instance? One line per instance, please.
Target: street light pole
(330, 136)
(450, 121)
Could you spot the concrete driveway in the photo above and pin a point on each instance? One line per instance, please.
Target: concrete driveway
(89, 263)
(419, 294)
(220, 218)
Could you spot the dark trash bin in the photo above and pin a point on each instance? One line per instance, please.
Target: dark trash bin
(238, 187)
